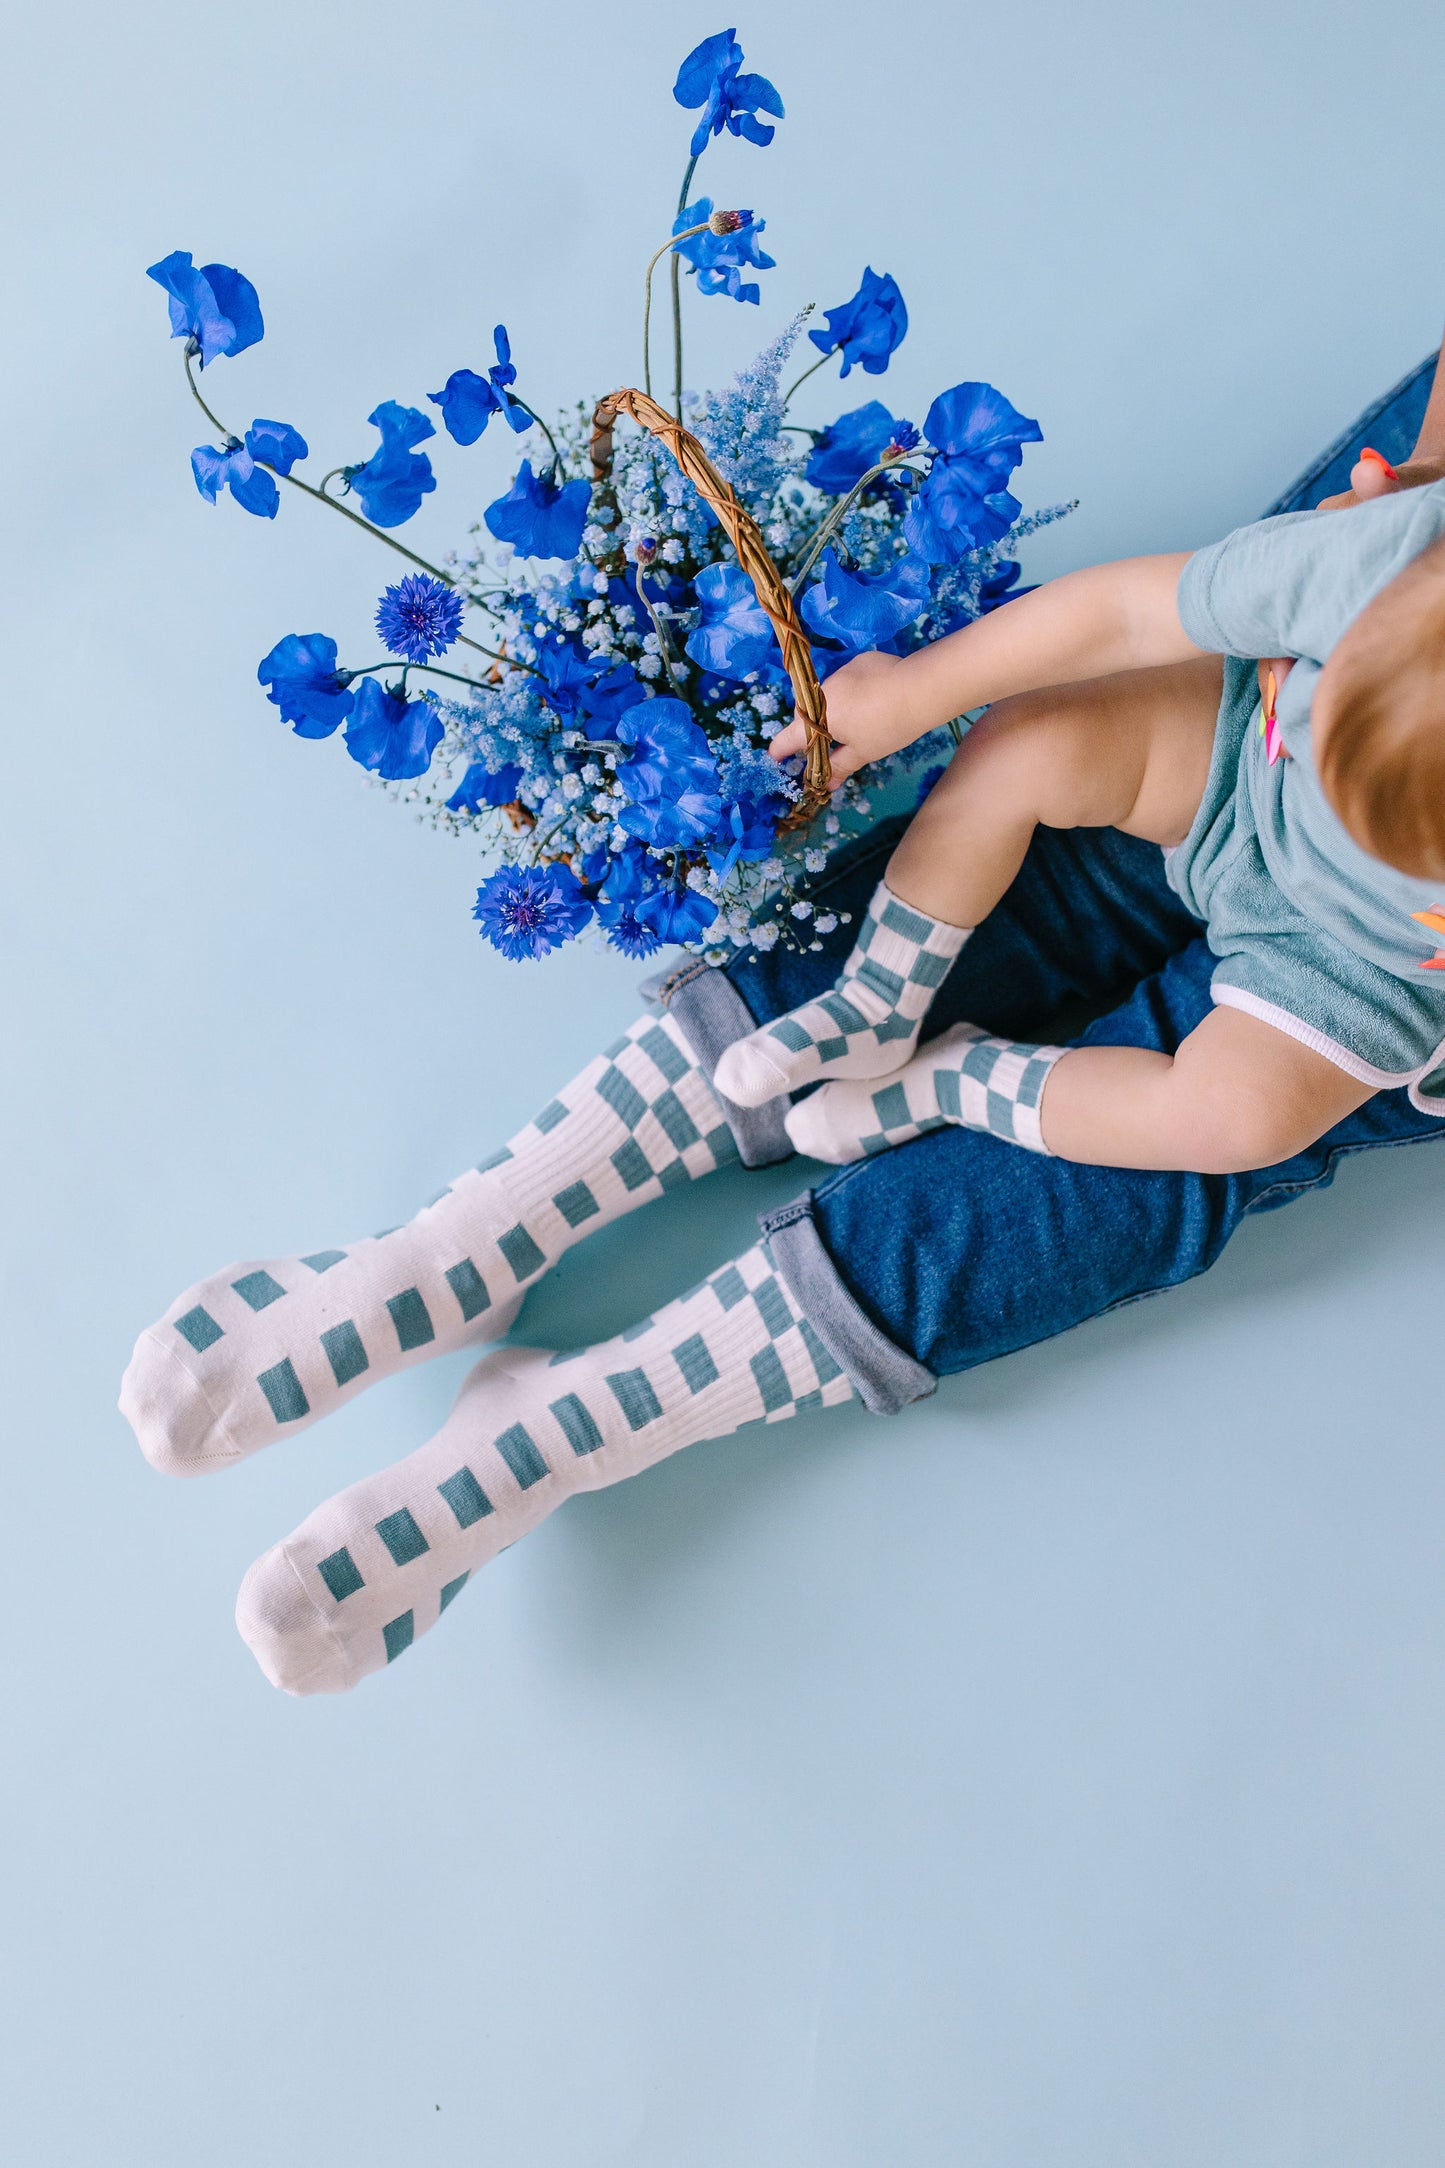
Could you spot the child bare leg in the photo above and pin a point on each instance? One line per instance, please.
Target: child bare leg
(1129, 752)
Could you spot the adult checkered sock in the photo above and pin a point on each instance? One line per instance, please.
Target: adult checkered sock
(262, 1349)
(378, 1564)
(964, 1076)
(867, 1024)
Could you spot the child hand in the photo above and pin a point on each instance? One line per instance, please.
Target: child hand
(868, 715)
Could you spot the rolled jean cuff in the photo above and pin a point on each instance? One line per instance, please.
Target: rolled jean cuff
(884, 1376)
(712, 1015)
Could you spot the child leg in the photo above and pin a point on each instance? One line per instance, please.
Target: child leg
(261, 1349)
(377, 1565)
(1130, 752)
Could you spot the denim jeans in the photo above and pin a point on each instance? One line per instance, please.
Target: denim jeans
(958, 1247)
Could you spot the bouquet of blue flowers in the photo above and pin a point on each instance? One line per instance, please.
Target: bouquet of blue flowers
(659, 593)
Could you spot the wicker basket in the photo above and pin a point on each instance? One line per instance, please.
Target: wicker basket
(752, 555)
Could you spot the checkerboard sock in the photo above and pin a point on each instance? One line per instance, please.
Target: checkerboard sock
(377, 1565)
(867, 1024)
(964, 1076)
(260, 1350)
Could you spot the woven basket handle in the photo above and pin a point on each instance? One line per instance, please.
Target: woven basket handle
(752, 555)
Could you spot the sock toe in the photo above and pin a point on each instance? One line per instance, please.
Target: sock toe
(291, 1641)
(749, 1076)
(176, 1427)
(820, 1129)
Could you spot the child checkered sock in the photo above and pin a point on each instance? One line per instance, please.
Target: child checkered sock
(867, 1025)
(378, 1564)
(261, 1350)
(964, 1076)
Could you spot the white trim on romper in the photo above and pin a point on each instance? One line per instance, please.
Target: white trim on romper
(1364, 1072)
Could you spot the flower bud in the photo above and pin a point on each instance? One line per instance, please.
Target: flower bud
(729, 221)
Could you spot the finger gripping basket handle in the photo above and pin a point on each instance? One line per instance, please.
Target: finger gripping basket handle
(752, 554)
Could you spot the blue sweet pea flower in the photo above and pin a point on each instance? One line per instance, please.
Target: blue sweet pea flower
(584, 686)
(306, 685)
(848, 447)
(540, 517)
(623, 892)
(748, 831)
(234, 469)
(719, 259)
(528, 910)
(974, 422)
(215, 307)
(392, 736)
(865, 609)
(677, 913)
(710, 77)
(469, 401)
(419, 617)
(735, 638)
(277, 443)
(671, 779)
(950, 515)
(868, 328)
(481, 787)
(394, 480)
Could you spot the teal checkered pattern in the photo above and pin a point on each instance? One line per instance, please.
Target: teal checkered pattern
(964, 1077)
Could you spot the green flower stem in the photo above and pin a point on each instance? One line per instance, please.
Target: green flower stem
(806, 374)
(556, 454)
(663, 643)
(840, 512)
(394, 662)
(307, 489)
(682, 196)
(653, 261)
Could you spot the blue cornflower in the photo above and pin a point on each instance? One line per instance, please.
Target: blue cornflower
(735, 637)
(394, 480)
(852, 444)
(865, 609)
(419, 617)
(392, 736)
(621, 896)
(671, 779)
(869, 327)
(234, 469)
(469, 401)
(709, 77)
(528, 910)
(719, 259)
(481, 786)
(306, 685)
(582, 685)
(677, 913)
(214, 306)
(540, 517)
(277, 443)
(963, 503)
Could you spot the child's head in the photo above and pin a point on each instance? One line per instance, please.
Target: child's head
(1379, 721)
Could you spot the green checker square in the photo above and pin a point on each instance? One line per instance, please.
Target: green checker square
(722, 1144)
(808, 1401)
(577, 1425)
(576, 1203)
(344, 1352)
(258, 1289)
(678, 1125)
(831, 1049)
(398, 1634)
(634, 1395)
(340, 1574)
(1000, 1111)
(663, 1055)
(822, 1361)
(673, 1176)
(402, 1537)
(773, 1307)
(772, 1379)
(518, 1449)
(635, 1332)
(323, 1260)
(282, 1388)
(464, 1494)
(494, 1159)
(930, 970)
(896, 1026)
(521, 1252)
(200, 1329)
(625, 1100)
(946, 1089)
(618, 1046)
(551, 1114)
(888, 985)
(632, 1164)
(730, 1287)
(981, 1060)
(470, 1289)
(452, 1589)
(911, 924)
(844, 1015)
(696, 1364)
(891, 1107)
(790, 1034)
(411, 1318)
(1034, 1078)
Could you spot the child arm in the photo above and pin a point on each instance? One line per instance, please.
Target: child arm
(1088, 624)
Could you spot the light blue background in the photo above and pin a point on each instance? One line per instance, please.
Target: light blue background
(1050, 1778)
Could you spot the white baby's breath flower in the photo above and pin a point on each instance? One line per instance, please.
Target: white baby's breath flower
(814, 860)
(825, 922)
